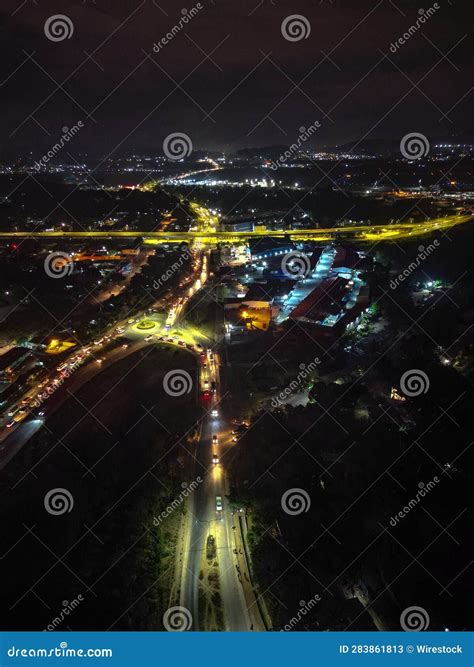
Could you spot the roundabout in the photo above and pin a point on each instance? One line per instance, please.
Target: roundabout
(146, 325)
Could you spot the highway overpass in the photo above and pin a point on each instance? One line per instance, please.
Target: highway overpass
(368, 233)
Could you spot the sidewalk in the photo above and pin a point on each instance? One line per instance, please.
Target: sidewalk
(259, 618)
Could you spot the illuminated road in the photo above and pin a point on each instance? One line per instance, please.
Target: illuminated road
(361, 233)
(233, 608)
(204, 519)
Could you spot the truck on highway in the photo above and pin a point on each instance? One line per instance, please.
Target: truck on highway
(211, 547)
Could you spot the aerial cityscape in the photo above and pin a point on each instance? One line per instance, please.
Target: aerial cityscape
(236, 316)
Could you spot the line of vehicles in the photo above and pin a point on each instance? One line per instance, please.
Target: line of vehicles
(32, 401)
(30, 404)
(240, 426)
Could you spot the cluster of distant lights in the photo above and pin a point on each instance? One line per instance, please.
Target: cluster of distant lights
(253, 183)
(469, 146)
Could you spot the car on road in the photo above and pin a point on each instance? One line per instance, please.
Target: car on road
(147, 339)
(215, 459)
(219, 504)
(214, 413)
(240, 429)
(214, 439)
(213, 386)
(125, 346)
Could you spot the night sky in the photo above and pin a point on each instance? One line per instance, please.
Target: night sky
(229, 78)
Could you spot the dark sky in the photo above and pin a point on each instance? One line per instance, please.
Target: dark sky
(249, 84)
